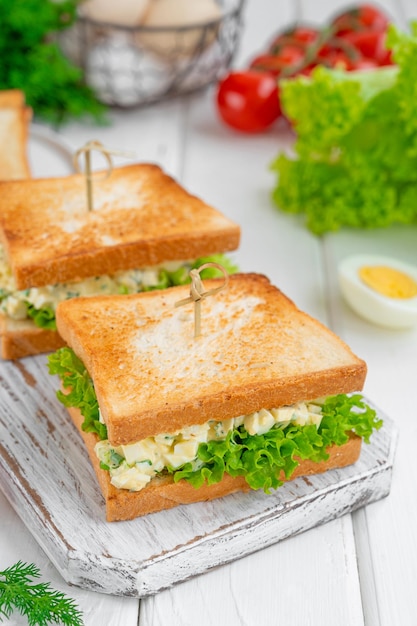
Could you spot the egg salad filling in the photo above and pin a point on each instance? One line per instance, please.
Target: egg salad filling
(262, 447)
(40, 303)
(132, 466)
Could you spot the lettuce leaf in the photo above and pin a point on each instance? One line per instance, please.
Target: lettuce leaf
(181, 276)
(43, 317)
(259, 458)
(355, 152)
(79, 388)
(212, 272)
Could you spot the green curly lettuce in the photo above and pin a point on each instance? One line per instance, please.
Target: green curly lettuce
(262, 458)
(79, 390)
(259, 458)
(181, 276)
(355, 152)
(43, 317)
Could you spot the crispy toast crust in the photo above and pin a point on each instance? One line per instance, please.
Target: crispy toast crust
(15, 117)
(12, 98)
(142, 217)
(257, 349)
(21, 338)
(163, 493)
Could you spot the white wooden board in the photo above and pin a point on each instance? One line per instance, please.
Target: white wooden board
(47, 477)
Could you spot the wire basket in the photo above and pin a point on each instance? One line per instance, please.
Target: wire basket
(130, 66)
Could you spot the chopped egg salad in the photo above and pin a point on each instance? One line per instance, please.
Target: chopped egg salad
(132, 466)
(14, 303)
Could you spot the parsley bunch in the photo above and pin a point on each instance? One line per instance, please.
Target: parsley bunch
(32, 61)
(41, 604)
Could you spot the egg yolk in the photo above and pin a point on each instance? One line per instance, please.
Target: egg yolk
(388, 281)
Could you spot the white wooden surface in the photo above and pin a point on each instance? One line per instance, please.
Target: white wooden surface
(46, 475)
(357, 570)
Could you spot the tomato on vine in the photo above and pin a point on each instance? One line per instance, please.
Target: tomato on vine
(363, 17)
(248, 101)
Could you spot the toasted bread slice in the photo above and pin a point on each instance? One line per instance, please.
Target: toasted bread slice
(14, 98)
(15, 117)
(163, 493)
(257, 349)
(142, 217)
(21, 338)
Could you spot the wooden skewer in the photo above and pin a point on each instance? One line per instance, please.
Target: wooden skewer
(86, 150)
(197, 293)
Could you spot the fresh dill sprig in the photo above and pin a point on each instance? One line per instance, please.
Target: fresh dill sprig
(41, 604)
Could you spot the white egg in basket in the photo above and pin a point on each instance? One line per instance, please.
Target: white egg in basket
(121, 75)
(122, 12)
(380, 289)
(180, 28)
(136, 52)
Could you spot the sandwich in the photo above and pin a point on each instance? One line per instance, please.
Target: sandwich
(145, 232)
(264, 394)
(15, 117)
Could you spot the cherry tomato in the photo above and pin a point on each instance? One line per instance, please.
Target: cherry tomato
(306, 71)
(288, 57)
(353, 40)
(338, 53)
(300, 35)
(248, 101)
(371, 43)
(365, 16)
(386, 58)
(339, 60)
(268, 63)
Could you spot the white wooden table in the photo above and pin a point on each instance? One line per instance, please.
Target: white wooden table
(360, 569)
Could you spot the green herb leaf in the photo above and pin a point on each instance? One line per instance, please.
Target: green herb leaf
(34, 63)
(41, 604)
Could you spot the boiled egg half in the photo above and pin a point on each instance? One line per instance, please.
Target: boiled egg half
(380, 289)
(122, 12)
